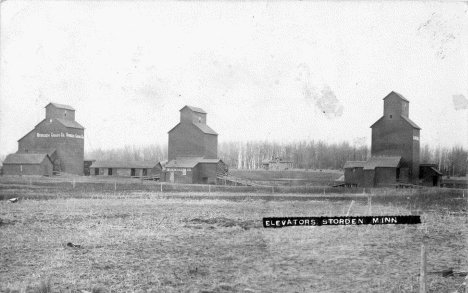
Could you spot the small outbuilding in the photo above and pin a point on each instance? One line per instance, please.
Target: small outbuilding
(28, 164)
(277, 164)
(191, 170)
(429, 175)
(354, 173)
(126, 169)
(87, 164)
(382, 171)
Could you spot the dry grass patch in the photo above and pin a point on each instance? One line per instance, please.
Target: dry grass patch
(153, 244)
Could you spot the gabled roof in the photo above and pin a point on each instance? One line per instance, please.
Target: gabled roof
(194, 109)
(184, 162)
(382, 162)
(123, 164)
(340, 179)
(435, 170)
(70, 123)
(398, 95)
(25, 159)
(205, 128)
(354, 164)
(381, 118)
(190, 162)
(64, 122)
(404, 118)
(61, 106)
(210, 161)
(49, 151)
(428, 165)
(410, 122)
(27, 133)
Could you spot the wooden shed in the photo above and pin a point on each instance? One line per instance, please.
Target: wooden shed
(190, 170)
(354, 173)
(28, 164)
(429, 175)
(126, 169)
(382, 171)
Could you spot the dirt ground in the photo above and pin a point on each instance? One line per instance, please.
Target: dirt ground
(149, 243)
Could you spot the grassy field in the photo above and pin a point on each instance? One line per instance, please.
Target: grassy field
(311, 177)
(149, 241)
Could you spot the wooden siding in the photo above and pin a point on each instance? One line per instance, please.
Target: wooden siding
(45, 168)
(354, 176)
(186, 140)
(69, 150)
(54, 112)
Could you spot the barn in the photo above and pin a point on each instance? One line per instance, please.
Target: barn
(59, 136)
(27, 164)
(193, 150)
(126, 169)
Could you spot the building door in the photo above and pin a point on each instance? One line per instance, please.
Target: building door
(145, 172)
(172, 177)
(96, 171)
(132, 172)
(434, 180)
(109, 172)
(205, 180)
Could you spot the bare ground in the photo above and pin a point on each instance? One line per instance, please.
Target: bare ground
(153, 244)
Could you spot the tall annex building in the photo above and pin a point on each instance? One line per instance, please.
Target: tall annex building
(58, 138)
(193, 150)
(395, 151)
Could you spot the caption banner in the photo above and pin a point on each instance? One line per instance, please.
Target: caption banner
(337, 221)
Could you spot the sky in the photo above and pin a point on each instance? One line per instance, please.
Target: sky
(278, 71)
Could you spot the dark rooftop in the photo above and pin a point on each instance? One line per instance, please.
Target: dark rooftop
(205, 128)
(70, 123)
(410, 122)
(382, 162)
(195, 109)
(123, 164)
(397, 94)
(25, 159)
(190, 162)
(354, 164)
(61, 106)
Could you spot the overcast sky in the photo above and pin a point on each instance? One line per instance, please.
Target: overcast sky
(279, 71)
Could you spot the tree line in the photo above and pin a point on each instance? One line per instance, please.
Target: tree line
(304, 155)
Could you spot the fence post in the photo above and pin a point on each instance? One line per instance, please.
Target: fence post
(369, 200)
(466, 283)
(422, 275)
(115, 185)
(349, 209)
(73, 183)
(209, 188)
(161, 187)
